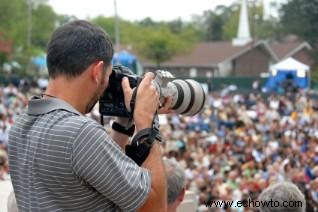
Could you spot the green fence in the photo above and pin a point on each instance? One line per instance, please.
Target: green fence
(14, 79)
(244, 83)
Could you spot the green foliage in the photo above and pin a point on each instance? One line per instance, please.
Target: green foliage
(13, 22)
(159, 41)
(163, 41)
(14, 27)
(214, 29)
(267, 29)
(107, 24)
(263, 29)
(175, 26)
(155, 41)
(131, 34)
(230, 27)
(160, 46)
(3, 58)
(147, 22)
(214, 22)
(300, 17)
(314, 78)
(43, 23)
(190, 34)
(62, 19)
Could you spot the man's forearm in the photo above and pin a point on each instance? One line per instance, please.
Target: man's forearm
(157, 199)
(121, 139)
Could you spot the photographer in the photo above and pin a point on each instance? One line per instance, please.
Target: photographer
(61, 160)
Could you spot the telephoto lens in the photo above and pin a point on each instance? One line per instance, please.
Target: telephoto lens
(188, 96)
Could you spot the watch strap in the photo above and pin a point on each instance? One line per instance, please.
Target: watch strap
(124, 130)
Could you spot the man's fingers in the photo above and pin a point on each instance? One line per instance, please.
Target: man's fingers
(168, 102)
(165, 109)
(125, 85)
(127, 92)
(149, 76)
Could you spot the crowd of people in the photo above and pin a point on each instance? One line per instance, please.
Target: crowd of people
(12, 102)
(234, 149)
(242, 143)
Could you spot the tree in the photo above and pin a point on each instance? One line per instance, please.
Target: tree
(3, 59)
(43, 24)
(300, 17)
(62, 19)
(213, 23)
(155, 41)
(13, 22)
(14, 26)
(107, 24)
(231, 25)
(260, 28)
(147, 22)
(159, 46)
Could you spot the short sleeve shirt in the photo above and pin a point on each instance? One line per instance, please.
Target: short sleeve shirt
(61, 160)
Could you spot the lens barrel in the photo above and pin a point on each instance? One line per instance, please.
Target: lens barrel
(188, 97)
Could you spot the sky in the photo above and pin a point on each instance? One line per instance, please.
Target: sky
(157, 10)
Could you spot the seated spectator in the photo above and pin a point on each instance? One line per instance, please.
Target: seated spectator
(176, 184)
(288, 196)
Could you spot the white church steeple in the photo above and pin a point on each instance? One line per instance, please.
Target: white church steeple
(243, 35)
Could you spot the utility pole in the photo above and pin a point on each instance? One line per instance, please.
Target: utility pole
(29, 25)
(29, 36)
(117, 41)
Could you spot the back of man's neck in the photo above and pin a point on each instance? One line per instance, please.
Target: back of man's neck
(67, 91)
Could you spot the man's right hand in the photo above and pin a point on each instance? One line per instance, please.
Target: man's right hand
(147, 101)
(146, 104)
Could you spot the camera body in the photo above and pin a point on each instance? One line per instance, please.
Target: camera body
(188, 96)
(112, 103)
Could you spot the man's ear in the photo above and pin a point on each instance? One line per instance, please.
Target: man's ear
(181, 195)
(97, 71)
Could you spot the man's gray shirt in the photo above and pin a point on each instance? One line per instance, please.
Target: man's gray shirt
(61, 160)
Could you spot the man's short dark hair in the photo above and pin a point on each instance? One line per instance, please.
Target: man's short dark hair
(75, 46)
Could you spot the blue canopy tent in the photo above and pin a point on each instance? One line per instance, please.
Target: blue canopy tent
(40, 63)
(127, 59)
(288, 72)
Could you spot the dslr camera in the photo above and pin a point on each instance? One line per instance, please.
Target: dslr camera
(188, 96)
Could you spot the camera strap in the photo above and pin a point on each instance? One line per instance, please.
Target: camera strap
(152, 133)
(142, 142)
(140, 152)
(133, 103)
